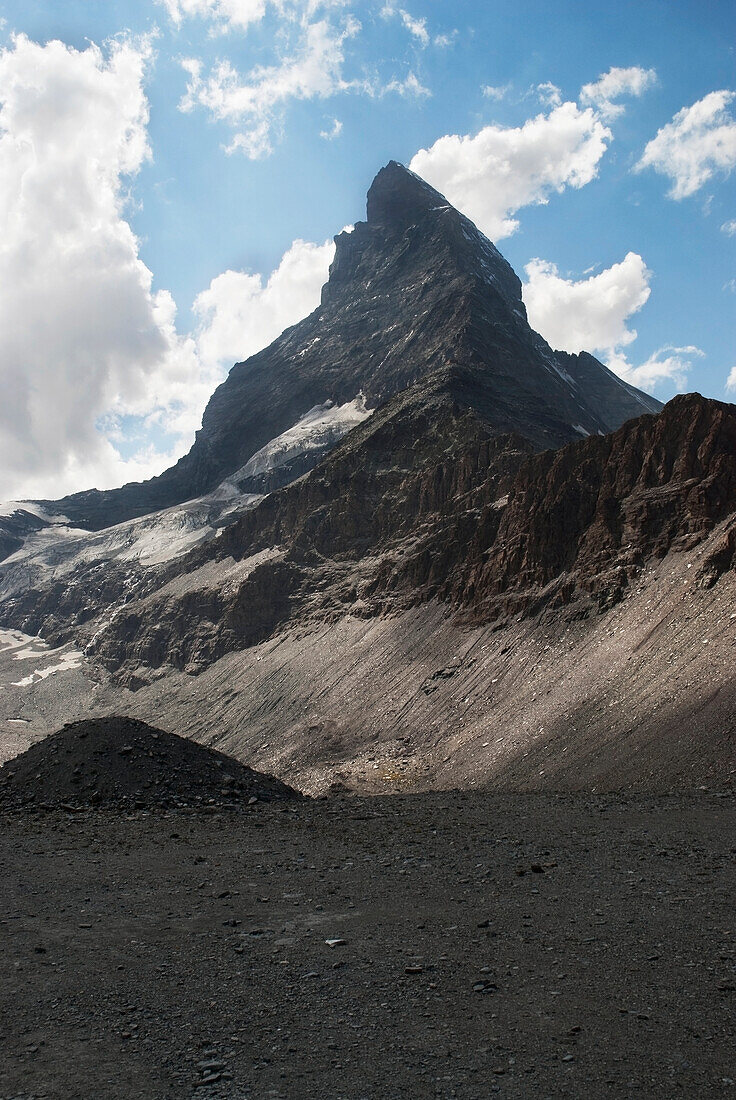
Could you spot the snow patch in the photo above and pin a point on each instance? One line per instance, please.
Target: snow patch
(580, 428)
(70, 660)
(14, 639)
(10, 507)
(30, 654)
(321, 427)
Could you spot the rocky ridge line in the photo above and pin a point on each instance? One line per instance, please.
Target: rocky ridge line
(494, 533)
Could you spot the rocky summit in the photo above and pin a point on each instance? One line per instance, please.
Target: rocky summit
(412, 547)
(418, 301)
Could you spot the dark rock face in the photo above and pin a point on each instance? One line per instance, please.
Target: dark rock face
(587, 517)
(118, 762)
(15, 527)
(485, 525)
(417, 297)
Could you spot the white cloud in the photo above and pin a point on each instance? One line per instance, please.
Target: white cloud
(224, 13)
(83, 336)
(549, 93)
(667, 365)
(603, 93)
(227, 15)
(415, 27)
(698, 143)
(241, 313)
(334, 131)
(493, 174)
(589, 315)
(252, 103)
(592, 315)
(410, 87)
(731, 380)
(497, 92)
(729, 228)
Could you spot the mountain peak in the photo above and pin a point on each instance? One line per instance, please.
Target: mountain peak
(397, 197)
(418, 299)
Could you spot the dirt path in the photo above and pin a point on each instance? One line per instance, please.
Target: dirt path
(186, 955)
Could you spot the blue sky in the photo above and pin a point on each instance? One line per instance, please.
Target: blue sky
(154, 244)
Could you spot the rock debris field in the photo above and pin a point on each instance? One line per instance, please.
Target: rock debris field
(121, 762)
(433, 945)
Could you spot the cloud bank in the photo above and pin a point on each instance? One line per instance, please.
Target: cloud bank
(87, 347)
(83, 335)
(240, 313)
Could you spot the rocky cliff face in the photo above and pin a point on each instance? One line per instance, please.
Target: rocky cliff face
(477, 522)
(417, 297)
(585, 519)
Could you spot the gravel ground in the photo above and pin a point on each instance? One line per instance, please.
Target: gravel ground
(451, 945)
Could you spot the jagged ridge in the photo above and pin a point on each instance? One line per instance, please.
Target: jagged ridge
(417, 296)
(489, 528)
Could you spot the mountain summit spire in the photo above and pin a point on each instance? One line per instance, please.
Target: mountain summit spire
(418, 302)
(397, 197)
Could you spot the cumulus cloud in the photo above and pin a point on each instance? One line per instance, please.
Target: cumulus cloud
(667, 365)
(493, 174)
(252, 103)
(592, 315)
(241, 313)
(696, 145)
(603, 93)
(729, 228)
(731, 380)
(83, 335)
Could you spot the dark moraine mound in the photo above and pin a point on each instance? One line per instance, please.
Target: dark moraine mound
(116, 761)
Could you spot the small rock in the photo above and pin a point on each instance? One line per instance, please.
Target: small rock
(484, 987)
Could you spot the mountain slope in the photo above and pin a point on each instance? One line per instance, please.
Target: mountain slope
(414, 291)
(483, 525)
(467, 579)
